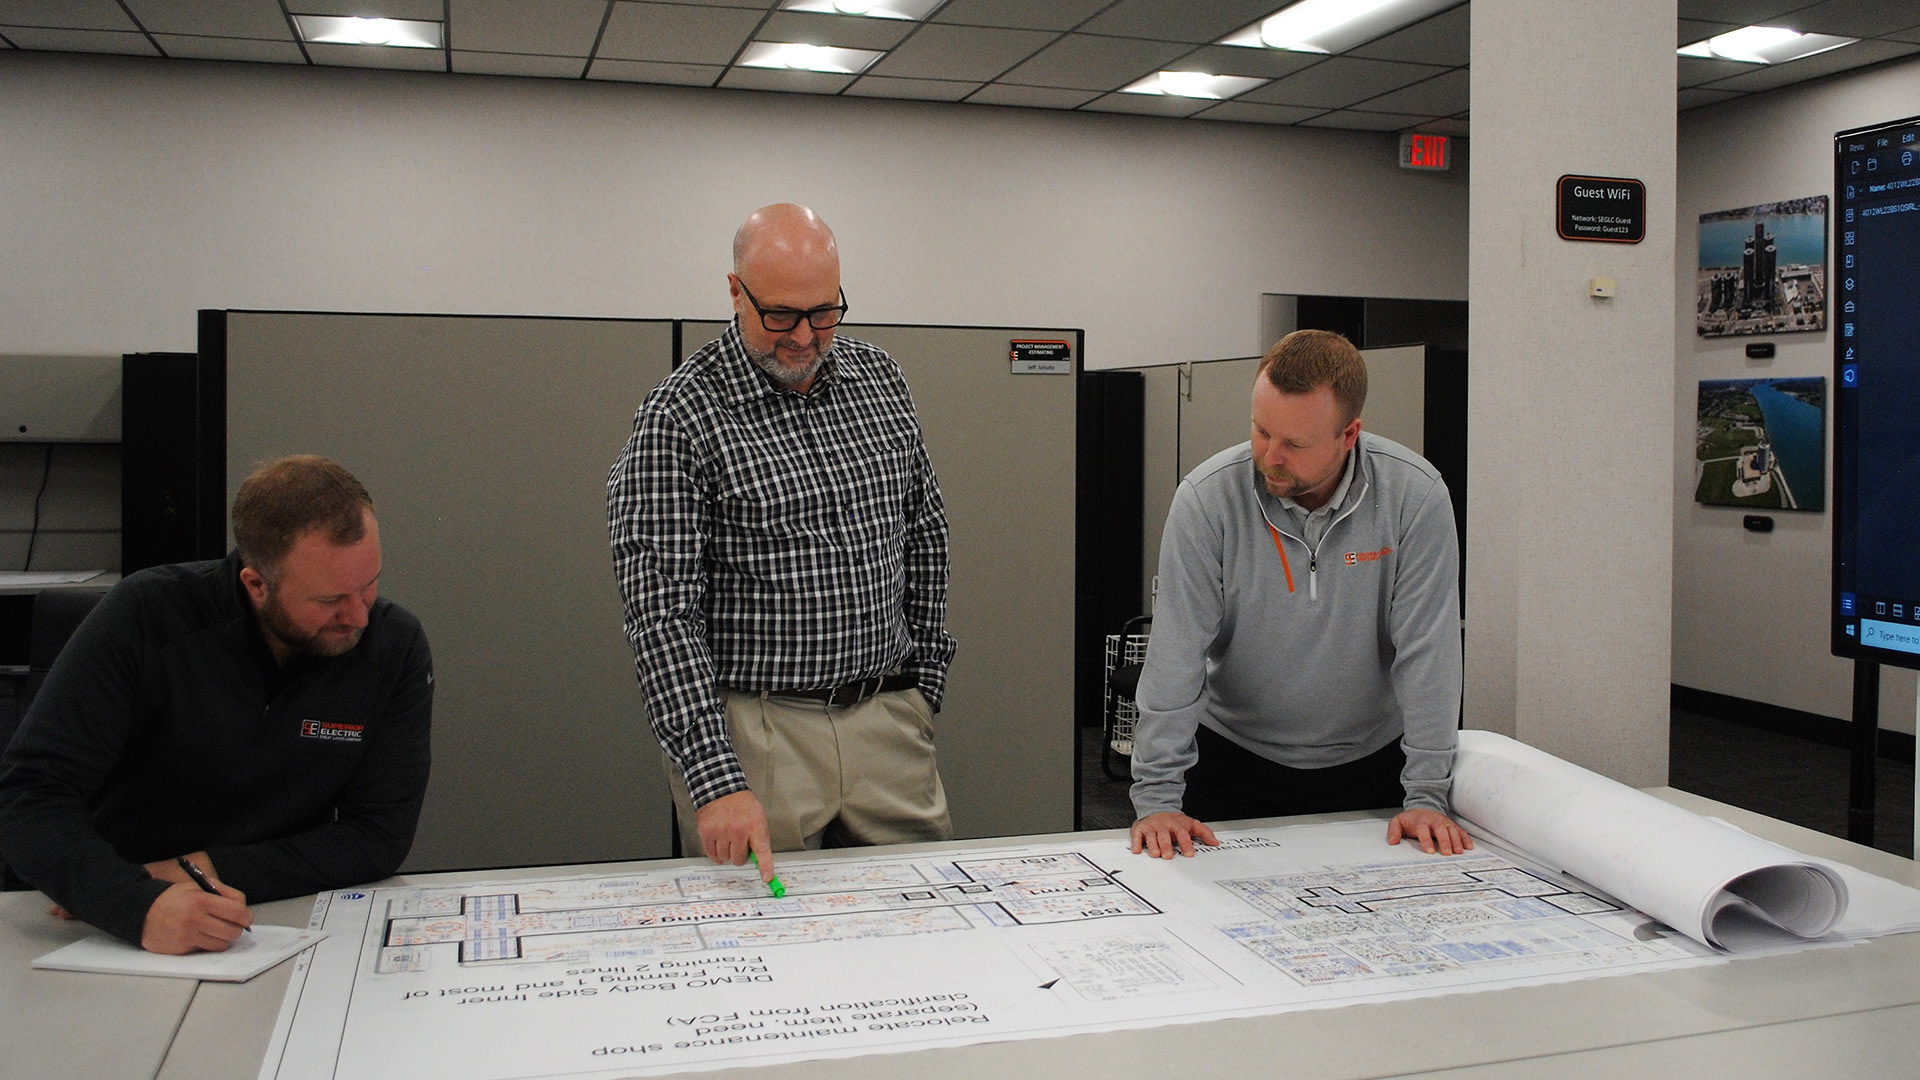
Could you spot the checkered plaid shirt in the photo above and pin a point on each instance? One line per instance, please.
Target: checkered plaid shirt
(766, 540)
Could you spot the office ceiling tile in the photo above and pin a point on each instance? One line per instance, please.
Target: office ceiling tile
(1737, 12)
(188, 47)
(1080, 62)
(1061, 54)
(1258, 63)
(467, 62)
(1696, 97)
(1179, 20)
(842, 31)
(429, 10)
(1252, 112)
(66, 14)
(1854, 18)
(1446, 125)
(1442, 95)
(648, 71)
(1019, 14)
(1340, 81)
(129, 42)
(961, 52)
(789, 82)
(260, 19)
(1365, 121)
(563, 27)
(1694, 70)
(1692, 30)
(377, 56)
(1445, 38)
(1859, 54)
(677, 33)
(1146, 104)
(914, 89)
(1031, 97)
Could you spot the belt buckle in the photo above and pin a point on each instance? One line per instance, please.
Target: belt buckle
(860, 693)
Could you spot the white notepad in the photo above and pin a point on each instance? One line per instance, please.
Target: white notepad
(257, 950)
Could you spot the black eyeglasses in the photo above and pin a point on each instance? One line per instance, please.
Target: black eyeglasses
(781, 320)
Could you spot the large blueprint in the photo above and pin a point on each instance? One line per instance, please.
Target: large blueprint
(689, 967)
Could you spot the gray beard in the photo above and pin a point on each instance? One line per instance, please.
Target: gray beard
(780, 373)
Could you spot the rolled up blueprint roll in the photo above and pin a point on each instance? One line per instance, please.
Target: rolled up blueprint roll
(1711, 882)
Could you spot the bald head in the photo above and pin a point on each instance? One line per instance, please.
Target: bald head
(784, 233)
(785, 262)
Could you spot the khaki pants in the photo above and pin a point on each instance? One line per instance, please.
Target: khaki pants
(833, 777)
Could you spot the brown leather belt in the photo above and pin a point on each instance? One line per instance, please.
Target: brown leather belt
(853, 693)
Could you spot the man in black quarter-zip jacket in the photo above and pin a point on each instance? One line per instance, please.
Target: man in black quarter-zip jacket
(263, 717)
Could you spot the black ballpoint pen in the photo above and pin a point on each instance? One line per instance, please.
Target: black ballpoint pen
(199, 877)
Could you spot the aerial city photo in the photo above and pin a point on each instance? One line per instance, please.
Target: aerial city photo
(1760, 443)
(1763, 269)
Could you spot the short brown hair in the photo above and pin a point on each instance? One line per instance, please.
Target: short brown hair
(1306, 360)
(286, 499)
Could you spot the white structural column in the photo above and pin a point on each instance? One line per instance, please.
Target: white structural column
(1570, 513)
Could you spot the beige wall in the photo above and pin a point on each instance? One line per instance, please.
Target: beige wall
(134, 191)
(1750, 610)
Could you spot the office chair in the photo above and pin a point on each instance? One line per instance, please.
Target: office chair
(57, 613)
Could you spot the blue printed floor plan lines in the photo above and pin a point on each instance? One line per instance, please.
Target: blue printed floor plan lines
(586, 919)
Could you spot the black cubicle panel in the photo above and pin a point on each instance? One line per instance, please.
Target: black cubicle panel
(485, 442)
(1003, 445)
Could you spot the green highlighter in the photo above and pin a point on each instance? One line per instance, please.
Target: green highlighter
(773, 883)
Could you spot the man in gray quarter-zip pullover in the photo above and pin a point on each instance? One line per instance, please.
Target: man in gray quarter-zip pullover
(1305, 653)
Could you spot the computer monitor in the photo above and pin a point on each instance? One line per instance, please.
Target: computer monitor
(1876, 359)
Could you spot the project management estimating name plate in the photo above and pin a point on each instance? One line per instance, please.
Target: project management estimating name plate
(1041, 357)
(1607, 209)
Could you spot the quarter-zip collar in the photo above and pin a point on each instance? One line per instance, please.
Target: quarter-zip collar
(1346, 499)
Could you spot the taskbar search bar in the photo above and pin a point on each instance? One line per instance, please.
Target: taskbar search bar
(1898, 637)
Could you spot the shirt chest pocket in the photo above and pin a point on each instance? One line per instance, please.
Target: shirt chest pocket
(880, 488)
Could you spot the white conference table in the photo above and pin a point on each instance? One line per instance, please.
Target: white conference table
(1849, 1011)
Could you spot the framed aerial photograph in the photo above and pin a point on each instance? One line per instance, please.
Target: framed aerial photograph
(1763, 269)
(1761, 443)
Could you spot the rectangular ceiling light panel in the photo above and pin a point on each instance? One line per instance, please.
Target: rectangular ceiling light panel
(1193, 84)
(350, 30)
(1334, 26)
(798, 56)
(914, 10)
(1764, 45)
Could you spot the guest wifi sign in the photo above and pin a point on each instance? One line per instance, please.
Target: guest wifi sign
(1607, 209)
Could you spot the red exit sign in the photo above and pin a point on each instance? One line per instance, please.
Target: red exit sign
(1431, 152)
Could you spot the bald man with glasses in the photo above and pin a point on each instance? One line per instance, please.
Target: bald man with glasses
(781, 548)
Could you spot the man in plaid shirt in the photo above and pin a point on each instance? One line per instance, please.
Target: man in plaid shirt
(782, 550)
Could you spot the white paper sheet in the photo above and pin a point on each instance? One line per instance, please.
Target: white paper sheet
(257, 950)
(1716, 885)
(696, 967)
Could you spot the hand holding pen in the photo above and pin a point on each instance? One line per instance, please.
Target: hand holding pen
(194, 915)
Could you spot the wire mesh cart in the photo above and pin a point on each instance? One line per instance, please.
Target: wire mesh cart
(1126, 654)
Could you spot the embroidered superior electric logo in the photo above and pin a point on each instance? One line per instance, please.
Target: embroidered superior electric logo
(1355, 558)
(321, 729)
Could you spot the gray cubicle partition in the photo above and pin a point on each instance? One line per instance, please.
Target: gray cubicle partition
(485, 442)
(1003, 446)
